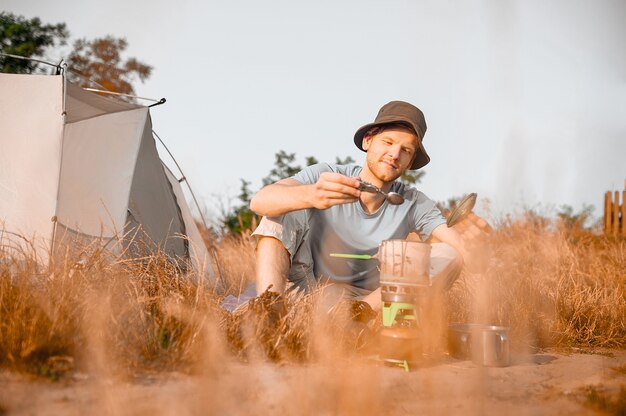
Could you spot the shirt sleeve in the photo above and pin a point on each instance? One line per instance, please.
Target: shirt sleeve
(311, 174)
(426, 216)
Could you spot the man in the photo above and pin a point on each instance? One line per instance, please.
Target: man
(321, 210)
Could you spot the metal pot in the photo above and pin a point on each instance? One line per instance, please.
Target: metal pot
(486, 345)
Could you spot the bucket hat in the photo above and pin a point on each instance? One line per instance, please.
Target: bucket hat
(403, 113)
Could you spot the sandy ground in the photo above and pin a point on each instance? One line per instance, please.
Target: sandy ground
(545, 383)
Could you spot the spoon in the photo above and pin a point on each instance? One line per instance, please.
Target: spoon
(393, 198)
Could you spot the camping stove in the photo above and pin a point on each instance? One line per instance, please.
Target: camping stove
(400, 337)
(404, 284)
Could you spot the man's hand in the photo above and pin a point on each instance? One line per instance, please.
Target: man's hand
(289, 195)
(473, 227)
(334, 189)
(475, 232)
(470, 237)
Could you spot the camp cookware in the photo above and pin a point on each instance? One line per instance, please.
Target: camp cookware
(400, 344)
(462, 210)
(486, 345)
(393, 198)
(403, 266)
(398, 258)
(403, 261)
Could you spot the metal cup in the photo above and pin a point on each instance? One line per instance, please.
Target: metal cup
(490, 345)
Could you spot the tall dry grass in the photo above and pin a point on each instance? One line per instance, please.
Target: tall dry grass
(554, 287)
(101, 316)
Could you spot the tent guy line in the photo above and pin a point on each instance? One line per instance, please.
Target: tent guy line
(62, 67)
(161, 101)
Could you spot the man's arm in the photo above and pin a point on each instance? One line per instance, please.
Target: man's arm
(289, 195)
(469, 238)
(452, 237)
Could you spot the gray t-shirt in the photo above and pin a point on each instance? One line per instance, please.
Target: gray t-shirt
(347, 228)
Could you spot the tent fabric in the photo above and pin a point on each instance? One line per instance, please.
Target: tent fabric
(198, 252)
(31, 128)
(81, 104)
(150, 189)
(89, 175)
(99, 157)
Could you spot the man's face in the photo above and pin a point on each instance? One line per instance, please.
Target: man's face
(390, 153)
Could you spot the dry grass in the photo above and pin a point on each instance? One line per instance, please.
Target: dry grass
(553, 287)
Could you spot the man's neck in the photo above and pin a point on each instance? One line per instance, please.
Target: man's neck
(371, 202)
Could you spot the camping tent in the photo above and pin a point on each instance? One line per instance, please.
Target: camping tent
(78, 166)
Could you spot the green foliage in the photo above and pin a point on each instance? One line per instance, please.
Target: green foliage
(411, 177)
(100, 60)
(241, 218)
(96, 61)
(346, 161)
(28, 38)
(449, 205)
(284, 167)
(575, 220)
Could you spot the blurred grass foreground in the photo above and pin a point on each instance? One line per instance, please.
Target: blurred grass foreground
(555, 286)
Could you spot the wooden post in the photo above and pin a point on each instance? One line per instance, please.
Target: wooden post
(616, 214)
(607, 213)
(623, 226)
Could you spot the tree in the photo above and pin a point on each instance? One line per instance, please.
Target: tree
(29, 38)
(449, 205)
(100, 61)
(283, 167)
(91, 63)
(242, 218)
(575, 220)
(411, 177)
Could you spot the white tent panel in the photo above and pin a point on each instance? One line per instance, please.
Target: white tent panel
(31, 126)
(81, 104)
(99, 156)
(198, 252)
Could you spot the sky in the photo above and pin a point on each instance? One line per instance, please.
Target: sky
(525, 100)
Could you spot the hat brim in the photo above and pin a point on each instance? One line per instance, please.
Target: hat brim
(421, 157)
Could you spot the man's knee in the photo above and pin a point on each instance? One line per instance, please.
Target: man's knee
(272, 265)
(270, 247)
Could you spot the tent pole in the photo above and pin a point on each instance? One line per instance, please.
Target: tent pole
(63, 67)
(25, 58)
(184, 178)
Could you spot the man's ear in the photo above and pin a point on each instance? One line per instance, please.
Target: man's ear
(367, 140)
